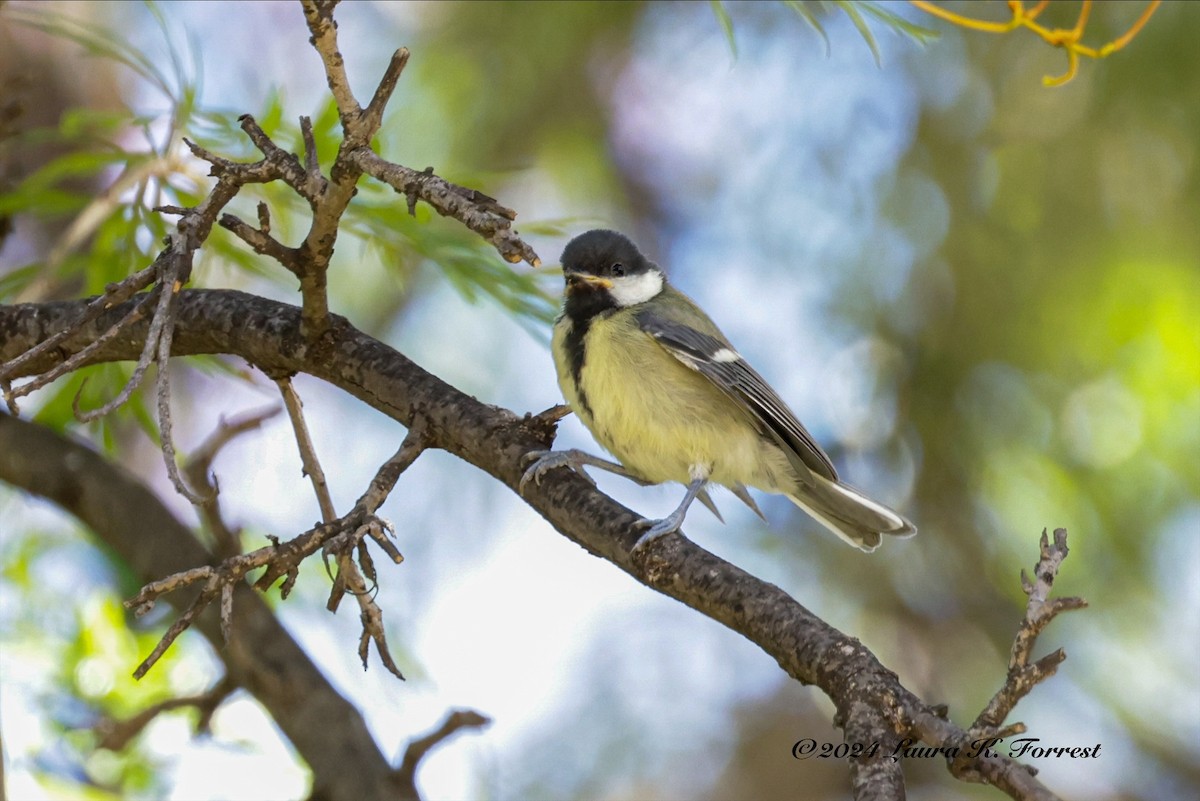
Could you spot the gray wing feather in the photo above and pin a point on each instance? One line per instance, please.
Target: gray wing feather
(739, 381)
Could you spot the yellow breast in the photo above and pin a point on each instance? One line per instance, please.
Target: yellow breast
(659, 418)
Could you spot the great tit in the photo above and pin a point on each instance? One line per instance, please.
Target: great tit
(660, 387)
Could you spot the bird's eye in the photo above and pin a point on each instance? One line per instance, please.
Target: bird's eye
(617, 270)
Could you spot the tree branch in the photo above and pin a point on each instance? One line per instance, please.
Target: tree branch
(260, 655)
(870, 700)
(1039, 611)
(455, 722)
(482, 214)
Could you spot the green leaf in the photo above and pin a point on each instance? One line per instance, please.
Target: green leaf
(95, 40)
(851, 10)
(44, 202)
(12, 283)
(270, 119)
(808, 16)
(79, 123)
(726, 23)
(919, 34)
(76, 164)
(95, 385)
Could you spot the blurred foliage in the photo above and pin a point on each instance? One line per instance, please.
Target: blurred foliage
(1069, 39)
(115, 232)
(78, 656)
(857, 11)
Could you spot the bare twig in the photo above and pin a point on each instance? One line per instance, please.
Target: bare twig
(1011, 777)
(262, 243)
(308, 452)
(197, 468)
(455, 722)
(114, 294)
(116, 734)
(319, 16)
(282, 559)
(162, 301)
(10, 402)
(285, 166)
(372, 116)
(971, 763)
(358, 128)
(82, 357)
(1023, 676)
(312, 164)
(477, 211)
(163, 390)
(181, 624)
(371, 617)
(348, 578)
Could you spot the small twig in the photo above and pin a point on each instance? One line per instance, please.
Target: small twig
(197, 469)
(371, 617)
(319, 16)
(456, 721)
(281, 559)
(163, 391)
(997, 769)
(379, 530)
(1039, 611)
(76, 360)
(114, 294)
(10, 401)
(116, 734)
(389, 472)
(286, 166)
(234, 173)
(477, 211)
(308, 452)
(226, 612)
(372, 116)
(211, 588)
(544, 424)
(348, 577)
(317, 184)
(262, 243)
(162, 300)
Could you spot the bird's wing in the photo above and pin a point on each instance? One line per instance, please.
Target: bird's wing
(723, 366)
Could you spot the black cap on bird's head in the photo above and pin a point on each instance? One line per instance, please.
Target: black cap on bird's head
(603, 269)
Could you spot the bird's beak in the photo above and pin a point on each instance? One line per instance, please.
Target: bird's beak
(576, 281)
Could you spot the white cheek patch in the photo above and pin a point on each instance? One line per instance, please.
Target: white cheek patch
(630, 290)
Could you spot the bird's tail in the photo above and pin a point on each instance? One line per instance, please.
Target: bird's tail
(848, 513)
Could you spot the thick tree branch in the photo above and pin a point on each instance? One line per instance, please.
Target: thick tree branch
(870, 700)
(260, 655)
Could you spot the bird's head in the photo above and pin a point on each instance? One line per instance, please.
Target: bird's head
(603, 269)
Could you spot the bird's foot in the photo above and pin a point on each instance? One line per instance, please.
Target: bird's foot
(656, 529)
(545, 461)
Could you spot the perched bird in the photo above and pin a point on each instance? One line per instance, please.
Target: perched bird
(660, 387)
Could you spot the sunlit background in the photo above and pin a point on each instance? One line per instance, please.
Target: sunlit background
(981, 295)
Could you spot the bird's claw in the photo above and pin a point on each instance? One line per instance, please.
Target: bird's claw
(545, 461)
(655, 529)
